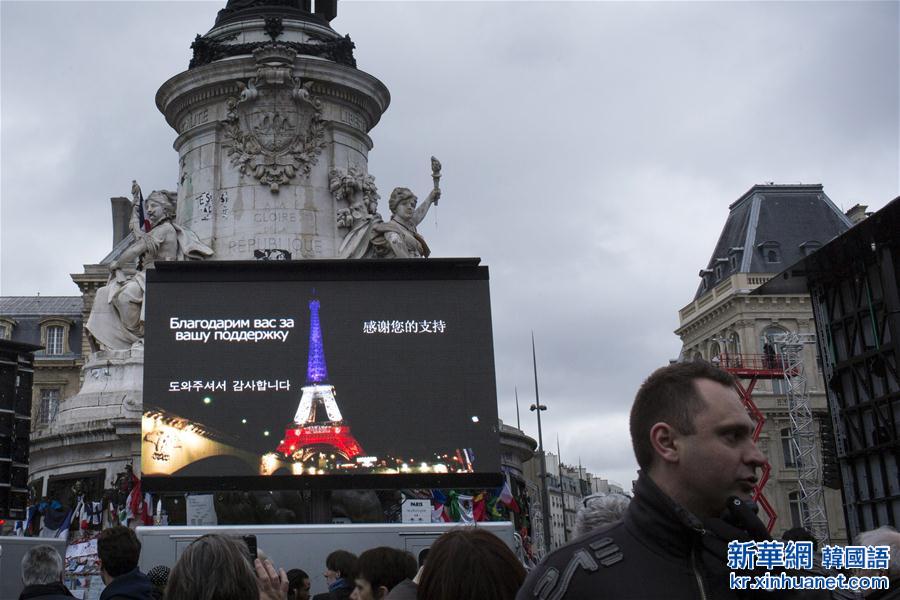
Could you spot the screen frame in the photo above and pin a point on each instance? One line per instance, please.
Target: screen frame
(442, 269)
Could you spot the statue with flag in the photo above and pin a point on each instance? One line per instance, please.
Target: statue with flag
(116, 321)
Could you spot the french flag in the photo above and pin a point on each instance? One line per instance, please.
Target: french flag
(507, 498)
(142, 216)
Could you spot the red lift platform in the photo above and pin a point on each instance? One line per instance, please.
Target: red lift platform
(752, 368)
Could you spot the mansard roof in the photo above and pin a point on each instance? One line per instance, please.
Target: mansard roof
(11, 306)
(30, 313)
(843, 257)
(772, 226)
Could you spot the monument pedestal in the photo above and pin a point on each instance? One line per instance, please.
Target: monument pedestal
(98, 428)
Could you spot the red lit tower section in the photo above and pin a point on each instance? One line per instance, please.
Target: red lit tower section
(318, 425)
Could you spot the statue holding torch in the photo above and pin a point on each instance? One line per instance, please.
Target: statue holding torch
(436, 176)
(399, 238)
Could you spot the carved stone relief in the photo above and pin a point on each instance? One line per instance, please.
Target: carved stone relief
(358, 191)
(274, 129)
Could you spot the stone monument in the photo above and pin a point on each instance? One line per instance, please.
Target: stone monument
(272, 120)
(100, 426)
(271, 104)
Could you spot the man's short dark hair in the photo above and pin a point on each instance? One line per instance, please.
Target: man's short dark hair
(670, 396)
(296, 577)
(800, 534)
(344, 563)
(119, 550)
(384, 566)
(423, 556)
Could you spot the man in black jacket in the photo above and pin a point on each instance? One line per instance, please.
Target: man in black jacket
(42, 570)
(692, 438)
(119, 551)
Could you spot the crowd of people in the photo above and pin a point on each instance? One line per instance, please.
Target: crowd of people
(462, 563)
(692, 438)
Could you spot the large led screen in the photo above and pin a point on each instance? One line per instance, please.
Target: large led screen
(319, 374)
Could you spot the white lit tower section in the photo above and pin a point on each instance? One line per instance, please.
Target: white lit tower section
(317, 393)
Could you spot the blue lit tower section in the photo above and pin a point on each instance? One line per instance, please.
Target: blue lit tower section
(317, 391)
(316, 370)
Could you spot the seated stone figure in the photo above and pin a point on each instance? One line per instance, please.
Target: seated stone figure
(398, 238)
(359, 191)
(117, 316)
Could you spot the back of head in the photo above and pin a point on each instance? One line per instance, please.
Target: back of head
(119, 550)
(470, 564)
(159, 576)
(800, 534)
(213, 567)
(423, 556)
(883, 536)
(386, 567)
(296, 577)
(344, 563)
(669, 396)
(41, 565)
(599, 510)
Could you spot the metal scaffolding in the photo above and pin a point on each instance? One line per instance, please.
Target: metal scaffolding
(789, 350)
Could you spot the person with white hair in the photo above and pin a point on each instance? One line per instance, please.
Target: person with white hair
(42, 571)
(598, 510)
(883, 536)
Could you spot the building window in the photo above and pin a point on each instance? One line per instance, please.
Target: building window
(734, 257)
(798, 509)
(809, 247)
(54, 344)
(771, 252)
(49, 405)
(779, 385)
(55, 335)
(735, 343)
(7, 326)
(787, 448)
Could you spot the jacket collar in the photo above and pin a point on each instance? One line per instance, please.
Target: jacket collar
(48, 589)
(658, 520)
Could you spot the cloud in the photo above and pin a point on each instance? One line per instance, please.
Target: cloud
(590, 152)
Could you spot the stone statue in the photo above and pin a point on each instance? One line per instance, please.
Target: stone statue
(399, 238)
(117, 317)
(359, 191)
(436, 174)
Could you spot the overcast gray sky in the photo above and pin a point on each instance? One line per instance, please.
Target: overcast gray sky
(590, 153)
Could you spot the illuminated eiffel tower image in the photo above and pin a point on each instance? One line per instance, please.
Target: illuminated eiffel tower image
(318, 434)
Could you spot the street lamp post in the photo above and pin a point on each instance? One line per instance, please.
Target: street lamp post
(538, 407)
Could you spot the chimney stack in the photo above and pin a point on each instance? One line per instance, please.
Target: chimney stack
(121, 214)
(857, 213)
